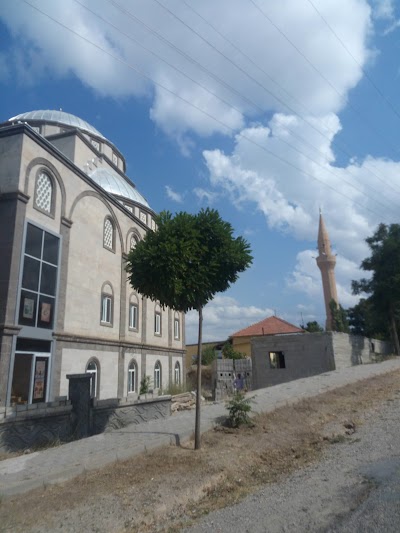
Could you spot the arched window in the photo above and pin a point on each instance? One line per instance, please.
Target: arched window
(107, 303)
(108, 234)
(93, 369)
(132, 376)
(157, 320)
(133, 313)
(133, 240)
(44, 193)
(177, 328)
(177, 373)
(157, 375)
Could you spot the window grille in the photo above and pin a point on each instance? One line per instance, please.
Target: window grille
(108, 234)
(43, 193)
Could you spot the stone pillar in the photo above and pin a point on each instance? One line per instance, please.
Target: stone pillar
(79, 395)
(12, 221)
(65, 231)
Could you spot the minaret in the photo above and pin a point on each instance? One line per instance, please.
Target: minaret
(326, 262)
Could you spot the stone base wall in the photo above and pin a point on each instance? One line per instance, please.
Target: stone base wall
(39, 425)
(35, 425)
(118, 413)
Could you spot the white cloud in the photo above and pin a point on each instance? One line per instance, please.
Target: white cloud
(205, 196)
(222, 317)
(174, 196)
(383, 9)
(60, 53)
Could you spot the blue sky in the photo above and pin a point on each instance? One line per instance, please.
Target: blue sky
(301, 110)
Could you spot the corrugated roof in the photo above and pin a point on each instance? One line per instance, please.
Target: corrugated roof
(269, 326)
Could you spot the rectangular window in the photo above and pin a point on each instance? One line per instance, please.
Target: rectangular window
(176, 329)
(277, 360)
(157, 323)
(39, 278)
(133, 316)
(106, 307)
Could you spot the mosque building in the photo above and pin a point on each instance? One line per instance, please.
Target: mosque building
(68, 217)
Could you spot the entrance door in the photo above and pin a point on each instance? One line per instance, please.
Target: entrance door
(30, 375)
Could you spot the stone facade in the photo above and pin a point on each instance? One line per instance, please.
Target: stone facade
(75, 312)
(281, 358)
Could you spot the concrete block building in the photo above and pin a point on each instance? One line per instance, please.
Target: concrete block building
(281, 358)
(68, 217)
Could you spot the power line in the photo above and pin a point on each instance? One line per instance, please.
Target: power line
(377, 89)
(301, 139)
(335, 142)
(277, 98)
(191, 104)
(283, 34)
(326, 169)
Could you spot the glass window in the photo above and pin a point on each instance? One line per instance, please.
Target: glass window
(176, 329)
(177, 373)
(43, 192)
(30, 276)
(157, 375)
(39, 279)
(50, 249)
(157, 323)
(132, 377)
(34, 237)
(48, 279)
(106, 309)
(133, 316)
(92, 368)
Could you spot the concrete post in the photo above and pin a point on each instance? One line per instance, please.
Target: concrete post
(79, 395)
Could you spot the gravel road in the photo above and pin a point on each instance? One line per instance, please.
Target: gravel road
(355, 488)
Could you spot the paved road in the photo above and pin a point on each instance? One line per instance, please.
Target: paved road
(21, 474)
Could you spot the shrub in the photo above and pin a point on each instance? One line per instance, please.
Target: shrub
(239, 409)
(144, 385)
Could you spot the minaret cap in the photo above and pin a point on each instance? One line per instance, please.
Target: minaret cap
(324, 245)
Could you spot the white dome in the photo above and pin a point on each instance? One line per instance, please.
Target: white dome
(115, 184)
(58, 117)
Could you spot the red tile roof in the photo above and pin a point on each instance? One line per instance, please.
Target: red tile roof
(269, 326)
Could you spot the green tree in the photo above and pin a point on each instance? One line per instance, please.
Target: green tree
(208, 355)
(184, 263)
(339, 317)
(313, 327)
(384, 284)
(364, 321)
(229, 353)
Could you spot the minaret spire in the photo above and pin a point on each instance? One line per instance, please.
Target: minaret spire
(326, 262)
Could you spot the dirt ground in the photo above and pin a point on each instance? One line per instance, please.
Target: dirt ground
(171, 488)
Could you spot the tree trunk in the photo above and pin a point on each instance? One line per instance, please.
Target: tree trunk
(198, 391)
(394, 333)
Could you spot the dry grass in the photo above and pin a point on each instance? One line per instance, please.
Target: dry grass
(173, 486)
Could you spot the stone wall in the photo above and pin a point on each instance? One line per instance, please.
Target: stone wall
(46, 424)
(35, 425)
(353, 350)
(118, 413)
(309, 354)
